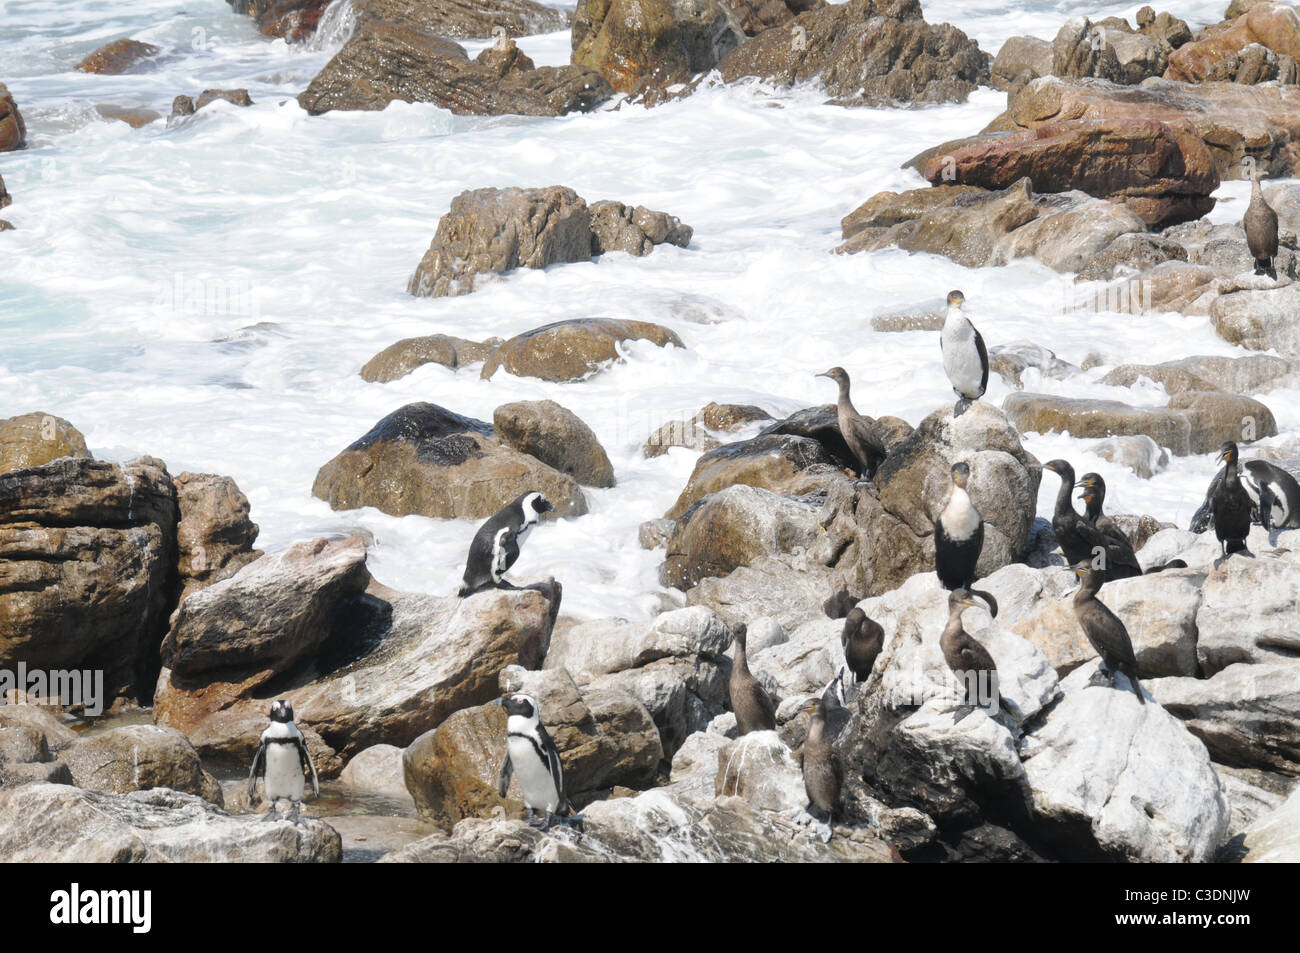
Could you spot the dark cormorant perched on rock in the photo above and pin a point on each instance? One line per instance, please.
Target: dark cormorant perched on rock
(861, 433)
(822, 775)
(1066, 522)
(1105, 632)
(751, 703)
(862, 639)
(965, 359)
(1231, 504)
(969, 660)
(1260, 223)
(1121, 561)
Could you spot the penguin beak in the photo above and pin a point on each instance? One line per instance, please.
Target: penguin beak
(547, 505)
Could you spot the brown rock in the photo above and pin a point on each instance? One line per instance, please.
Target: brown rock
(571, 350)
(13, 133)
(120, 56)
(398, 360)
(755, 16)
(290, 19)
(1020, 55)
(468, 19)
(426, 460)
(502, 58)
(5, 198)
(694, 434)
(556, 436)
(136, 758)
(1273, 26)
(236, 97)
(134, 117)
(214, 536)
(618, 227)
(30, 440)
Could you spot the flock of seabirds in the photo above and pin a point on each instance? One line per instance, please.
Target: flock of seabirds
(1093, 545)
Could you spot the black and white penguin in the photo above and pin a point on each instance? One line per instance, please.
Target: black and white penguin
(1276, 494)
(531, 756)
(965, 359)
(1260, 225)
(1231, 505)
(496, 544)
(283, 756)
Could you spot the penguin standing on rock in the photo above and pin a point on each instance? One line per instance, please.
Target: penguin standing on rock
(965, 359)
(496, 544)
(531, 756)
(283, 756)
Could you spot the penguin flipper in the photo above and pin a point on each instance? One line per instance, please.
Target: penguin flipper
(252, 772)
(304, 756)
(557, 769)
(503, 775)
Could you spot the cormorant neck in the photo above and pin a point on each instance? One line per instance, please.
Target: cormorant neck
(817, 728)
(1064, 503)
(1092, 507)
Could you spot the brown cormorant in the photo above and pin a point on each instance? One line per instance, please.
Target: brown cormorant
(860, 432)
(1105, 632)
(1121, 560)
(969, 660)
(1260, 223)
(751, 703)
(822, 775)
(862, 639)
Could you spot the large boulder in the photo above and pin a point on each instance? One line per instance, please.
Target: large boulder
(493, 231)
(755, 16)
(87, 568)
(653, 42)
(136, 758)
(1163, 171)
(866, 52)
(1268, 27)
(702, 432)
(119, 56)
(377, 770)
(398, 360)
(288, 19)
(30, 440)
(1275, 838)
(556, 436)
(13, 133)
(30, 737)
(1252, 374)
(788, 589)
(1111, 49)
(429, 461)
(1021, 58)
(1260, 320)
(468, 19)
(214, 536)
(977, 227)
(571, 350)
(50, 823)
(1244, 613)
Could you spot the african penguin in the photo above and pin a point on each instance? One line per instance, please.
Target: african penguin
(965, 359)
(532, 757)
(283, 756)
(496, 544)
(1276, 493)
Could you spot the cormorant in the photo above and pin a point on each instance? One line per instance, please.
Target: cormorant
(861, 433)
(1260, 223)
(1105, 632)
(751, 703)
(965, 359)
(1231, 504)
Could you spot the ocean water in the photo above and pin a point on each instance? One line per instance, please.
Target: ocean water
(207, 292)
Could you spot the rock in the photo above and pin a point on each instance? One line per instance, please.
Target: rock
(755, 16)
(87, 568)
(1138, 452)
(925, 316)
(618, 227)
(134, 117)
(866, 53)
(120, 56)
(136, 758)
(236, 97)
(377, 770)
(55, 735)
(385, 61)
(214, 536)
(288, 19)
(657, 826)
(556, 436)
(494, 231)
(1259, 320)
(182, 106)
(573, 349)
(802, 665)
(13, 133)
(398, 360)
(656, 43)
(1275, 838)
(1194, 421)
(30, 440)
(1010, 361)
(788, 589)
(470, 19)
(5, 198)
(763, 633)
(376, 682)
(1159, 611)
(1120, 779)
(427, 460)
(698, 432)
(977, 227)
(1245, 713)
(1018, 55)
(1243, 615)
(49, 823)
(505, 57)
(760, 769)
(1108, 50)
(1273, 26)
(29, 738)
(1251, 795)
(1162, 171)
(1129, 253)
(653, 534)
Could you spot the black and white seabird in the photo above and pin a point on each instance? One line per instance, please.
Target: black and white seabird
(1260, 223)
(860, 432)
(822, 774)
(958, 534)
(1121, 561)
(862, 639)
(1276, 494)
(282, 755)
(965, 359)
(1230, 504)
(531, 756)
(496, 544)
(970, 661)
(1105, 632)
(749, 700)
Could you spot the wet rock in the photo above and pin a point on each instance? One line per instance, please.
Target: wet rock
(398, 360)
(788, 589)
(1109, 50)
(571, 350)
(377, 770)
(1247, 714)
(1244, 614)
(977, 227)
(427, 460)
(186, 106)
(761, 770)
(13, 133)
(505, 57)
(1260, 320)
(469, 19)
(755, 16)
(926, 316)
(214, 535)
(5, 198)
(375, 680)
(134, 117)
(653, 43)
(655, 533)
(556, 436)
(1275, 838)
(1131, 252)
(1269, 27)
(51, 823)
(87, 568)
(1020, 55)
(288, 19)
(619, 227)
(1010, 361)
(136, 758)
(698, 433)
(866, 53)
(1138, 452)
(120, 56)
(1194, 421)
(30, 440)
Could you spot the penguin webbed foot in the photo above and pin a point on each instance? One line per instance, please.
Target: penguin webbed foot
(271, 814)
(293, 816)
(825, 831)
(962, 405)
